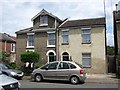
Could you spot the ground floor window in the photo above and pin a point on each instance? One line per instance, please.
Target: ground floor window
(86, 59)
(65, 56)
(51, 57)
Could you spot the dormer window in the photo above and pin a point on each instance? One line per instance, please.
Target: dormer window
(43, 20)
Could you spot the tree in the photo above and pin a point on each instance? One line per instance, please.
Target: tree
(31, 57)
(110, 50)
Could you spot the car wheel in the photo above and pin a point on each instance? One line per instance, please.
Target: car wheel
(38, 78)
(74, 80)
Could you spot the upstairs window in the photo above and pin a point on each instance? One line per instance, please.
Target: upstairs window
(30, 40)
(13, 47)
(86, 36)
(65, 37)
(43, 20)
(51, 39)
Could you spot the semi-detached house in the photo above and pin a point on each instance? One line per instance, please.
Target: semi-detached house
(82, 41)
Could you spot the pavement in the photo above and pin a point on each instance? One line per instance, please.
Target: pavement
(95, 78)
(103, 78)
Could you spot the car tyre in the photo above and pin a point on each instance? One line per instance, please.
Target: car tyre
(38, 78)
(74, 80)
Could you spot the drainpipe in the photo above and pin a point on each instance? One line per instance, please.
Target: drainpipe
(57, 45)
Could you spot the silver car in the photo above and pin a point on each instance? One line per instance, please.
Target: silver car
(7, 70)
(60, 70)
(8, 83)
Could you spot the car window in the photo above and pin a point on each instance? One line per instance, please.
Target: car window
(53, 65)
(63, 65)
(3, 66)
(79, 65)
(72, 66)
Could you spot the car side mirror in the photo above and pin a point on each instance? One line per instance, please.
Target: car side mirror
(46, 68)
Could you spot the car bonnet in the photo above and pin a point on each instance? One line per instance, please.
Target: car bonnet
(4, 80)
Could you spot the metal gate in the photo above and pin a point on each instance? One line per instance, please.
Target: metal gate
(111, 62)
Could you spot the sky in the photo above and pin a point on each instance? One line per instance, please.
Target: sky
(17, 14)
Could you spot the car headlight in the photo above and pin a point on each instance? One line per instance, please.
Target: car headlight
(13, 73)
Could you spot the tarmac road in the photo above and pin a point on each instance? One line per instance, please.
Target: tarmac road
(90, 83)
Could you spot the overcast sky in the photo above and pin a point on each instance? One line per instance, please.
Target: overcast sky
(17, 14)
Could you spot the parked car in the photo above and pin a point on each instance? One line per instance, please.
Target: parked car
(7, 70)
(60, 70)
(8, 83)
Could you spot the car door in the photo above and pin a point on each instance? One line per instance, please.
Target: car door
(63, 71)
(50, 72)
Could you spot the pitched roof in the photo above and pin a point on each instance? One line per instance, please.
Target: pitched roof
(31, 30)
(7, 37)
(84, 22)
(24, 30)
(44, 12)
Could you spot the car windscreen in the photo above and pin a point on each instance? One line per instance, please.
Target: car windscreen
(2, 66)
(45, 66)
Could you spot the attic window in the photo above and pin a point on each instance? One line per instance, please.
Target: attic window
(43, 20)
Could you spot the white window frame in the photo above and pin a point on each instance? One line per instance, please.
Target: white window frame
(64, 55)
(66, 30)
(28, 41)
(87, 66)
(86, 34)
(43, 18)
(12, 47)
(47, 54)
(53, 32)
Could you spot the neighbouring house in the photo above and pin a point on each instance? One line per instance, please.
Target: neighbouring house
(8, 45)
(116, 25)
(41, 37)
(83, 41)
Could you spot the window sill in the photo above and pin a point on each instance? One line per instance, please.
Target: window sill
(43, 25)
(30, 47)
(51, 46)
(12, 51)
(86, 66)
(87, 43)
(65, 43)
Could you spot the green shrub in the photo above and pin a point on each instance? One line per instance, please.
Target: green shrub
(30, 57)
(13, 65)
(26, 70)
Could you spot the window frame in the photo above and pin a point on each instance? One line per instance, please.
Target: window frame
(65, 35)
(87, 66)
(53, 56)
(13, 47)
(30, 34)
(63, 56)
(54, 39)
(43, 20)
(85, 41)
